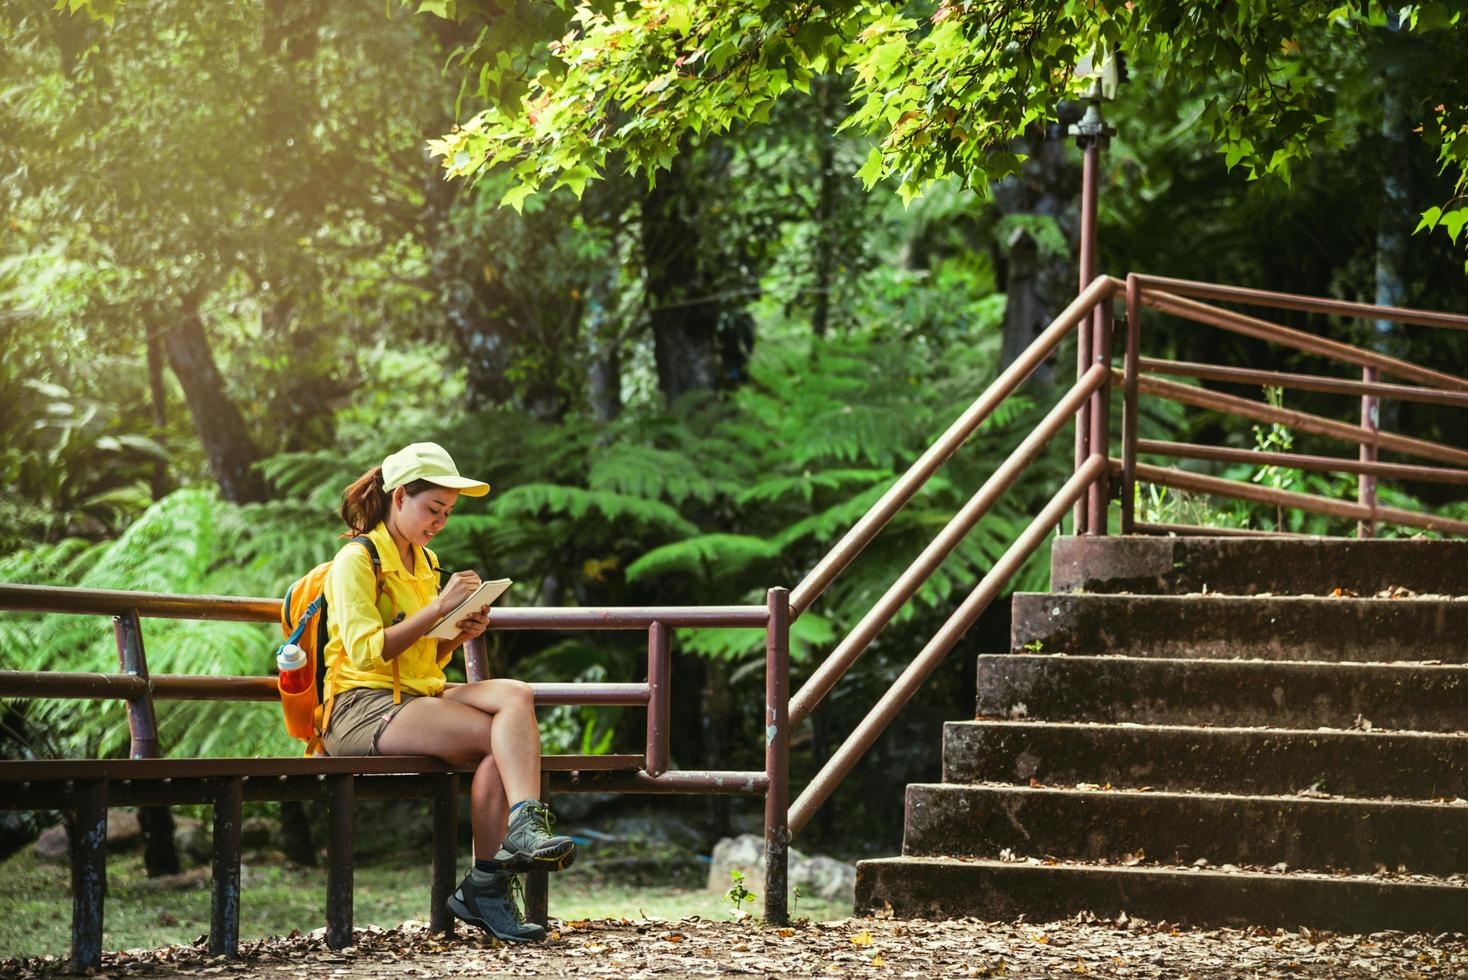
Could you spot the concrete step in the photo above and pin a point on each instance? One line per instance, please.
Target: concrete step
(1238, 693)
(1246, 566)
(1277, 628)
(926, 887)
(1420, 766)
(1179, 828)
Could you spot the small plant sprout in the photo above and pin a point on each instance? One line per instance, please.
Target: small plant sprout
(737, 893)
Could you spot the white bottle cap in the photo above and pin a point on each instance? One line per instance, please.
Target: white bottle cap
(290, 657)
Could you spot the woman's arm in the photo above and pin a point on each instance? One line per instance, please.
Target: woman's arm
(401, 635)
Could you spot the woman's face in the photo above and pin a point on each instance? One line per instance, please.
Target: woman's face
(419, 517)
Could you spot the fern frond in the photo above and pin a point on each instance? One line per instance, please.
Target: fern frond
(574, 502)
(710, 556)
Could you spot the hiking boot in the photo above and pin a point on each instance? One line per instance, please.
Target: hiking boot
(529, 844)
(491, 906)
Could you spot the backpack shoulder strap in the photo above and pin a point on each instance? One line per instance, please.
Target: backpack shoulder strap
(371, 547)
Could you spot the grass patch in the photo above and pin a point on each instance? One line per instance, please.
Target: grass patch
(277, 897)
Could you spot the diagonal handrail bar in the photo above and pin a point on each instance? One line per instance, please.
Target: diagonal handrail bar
(860, 740)
(1300, 303)
(1299, 339)
(1304, 421)
(1301, 382)
(835, 665)
(907, 485)
(1310, 502)
(1302, 461)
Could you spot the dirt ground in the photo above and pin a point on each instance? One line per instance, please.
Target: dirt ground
(858, 947)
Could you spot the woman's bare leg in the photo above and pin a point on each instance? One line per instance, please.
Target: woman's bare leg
(460, 735)
(514, 734)
(489, 810)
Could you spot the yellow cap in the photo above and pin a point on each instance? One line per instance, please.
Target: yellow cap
(427, 461)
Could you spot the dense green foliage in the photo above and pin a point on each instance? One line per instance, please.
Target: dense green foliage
(941, 89)
(234, 278)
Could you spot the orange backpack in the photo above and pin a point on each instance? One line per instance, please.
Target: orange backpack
(303, 622)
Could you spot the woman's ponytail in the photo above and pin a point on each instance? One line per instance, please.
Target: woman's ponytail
(365, 503)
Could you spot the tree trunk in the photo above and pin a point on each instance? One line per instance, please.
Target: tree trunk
(217, 420)
(684, 319)
(820, 318)
(158, 397)
(1038, 282)
(1395, 215)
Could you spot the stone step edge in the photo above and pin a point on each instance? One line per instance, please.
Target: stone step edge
(1164, 794)
(1300, 666)
(1133, 726)
(1224, 597)
(1168, 871)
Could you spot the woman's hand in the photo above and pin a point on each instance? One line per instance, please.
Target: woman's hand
(460, 586)
(472, 625)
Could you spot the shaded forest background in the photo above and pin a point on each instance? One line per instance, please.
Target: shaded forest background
(232, 279)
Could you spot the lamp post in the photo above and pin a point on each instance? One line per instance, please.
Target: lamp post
(1093, 336)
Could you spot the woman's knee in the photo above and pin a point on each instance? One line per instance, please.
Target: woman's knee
(509, 691)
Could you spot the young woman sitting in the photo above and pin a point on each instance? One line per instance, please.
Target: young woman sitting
(386, 683)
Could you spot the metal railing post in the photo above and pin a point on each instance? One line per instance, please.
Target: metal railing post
(658, 701)
(1366, 482)
(340, 801)
(445, 851)
(1129, 405)
(88, 873)
(224, 905)
(537, 883)
(142, 723)
(1099, 494)
(476, 660)
(777, 757)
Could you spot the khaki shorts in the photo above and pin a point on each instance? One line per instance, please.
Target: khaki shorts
(358, 718)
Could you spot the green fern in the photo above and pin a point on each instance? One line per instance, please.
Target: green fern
(712, 557)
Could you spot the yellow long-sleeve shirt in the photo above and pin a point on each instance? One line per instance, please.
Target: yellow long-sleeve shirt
(357, 618)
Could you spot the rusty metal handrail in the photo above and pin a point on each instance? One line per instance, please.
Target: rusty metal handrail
(1304, 421)
(839, 661)
(866, 528)
(1304, 304)
(1310, 343)
(1303, 382)
(1301, 461)
(1169, 296)
(84, 685)
(157, 605)
(902, 690)
(1313, 503)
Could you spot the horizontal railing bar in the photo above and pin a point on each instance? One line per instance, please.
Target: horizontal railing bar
(1274, 333)
(118, 602)
(1304, 421)
(902, 690)
(626, 617)
(1204, 531)
(80, 686)
(60, 794)
(1305, 304)
(1314, 503)
(52, 770)
(907, 485)
(189, 687)
(674, 781)
(1322, 464)
(851, 648)
(1304, 382)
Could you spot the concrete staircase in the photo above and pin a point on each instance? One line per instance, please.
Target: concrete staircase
(1211, 731)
